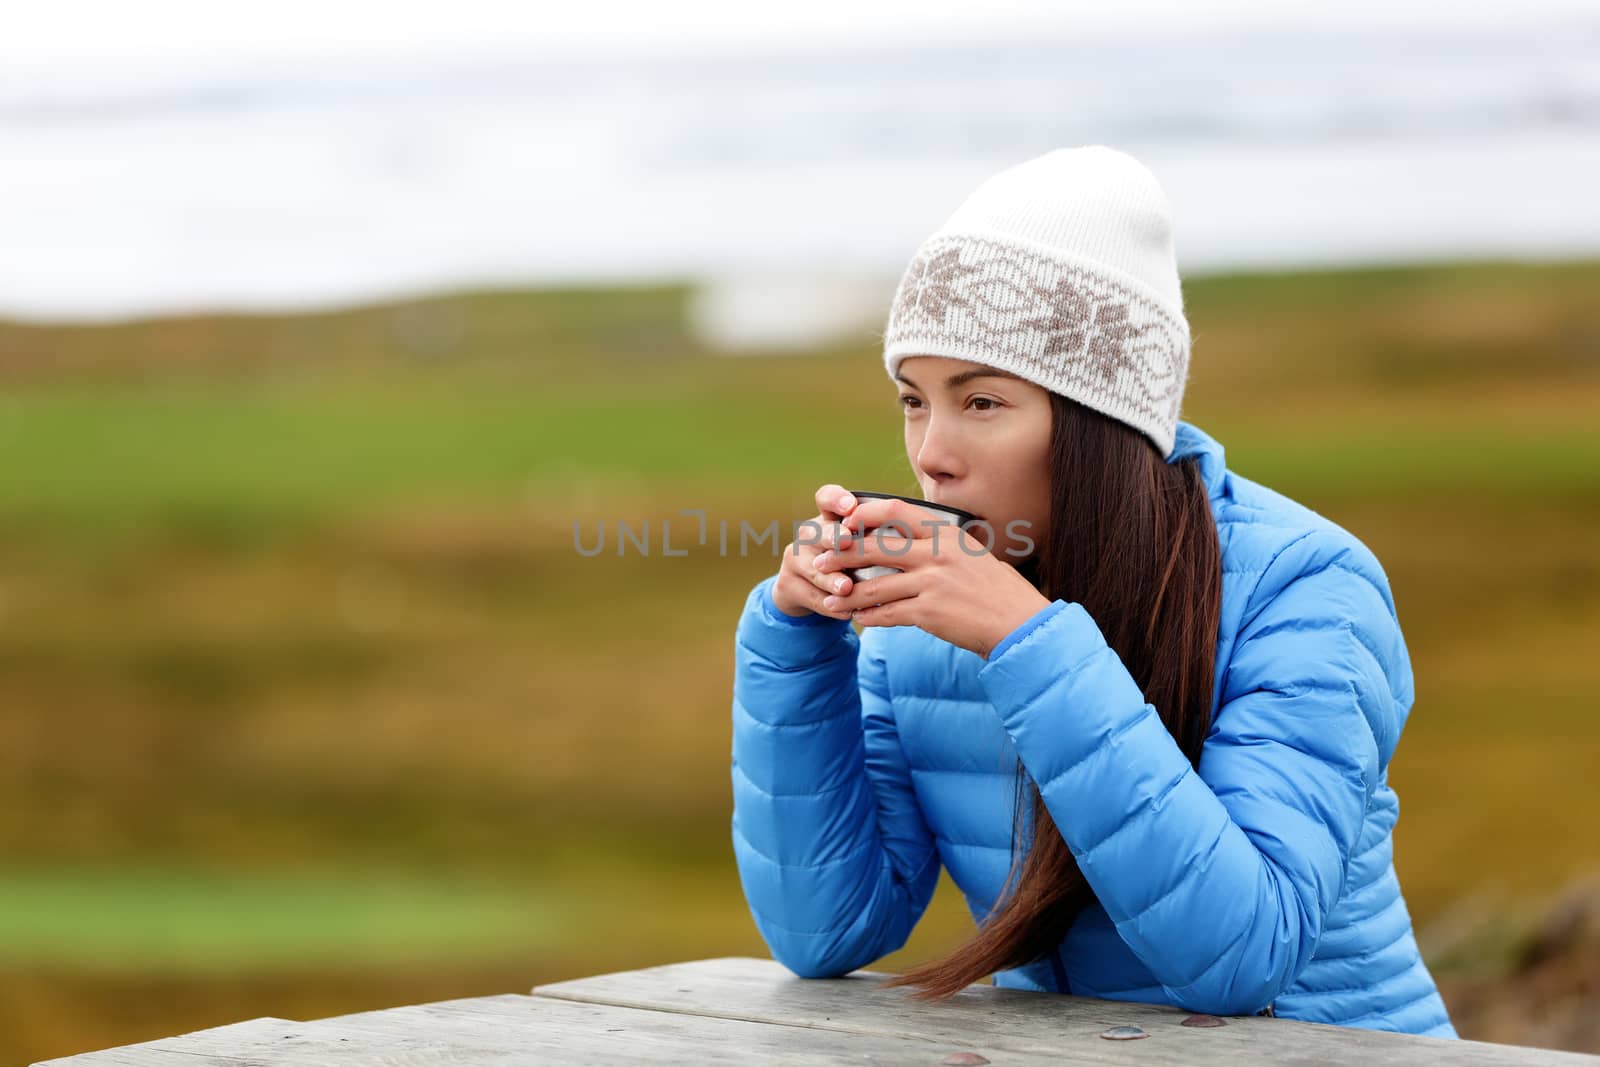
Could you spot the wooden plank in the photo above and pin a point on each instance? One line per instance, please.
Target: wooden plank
(1016, 1021)
(735, 1009)
(170, 1051)
(500, 1032)
(631, 1035)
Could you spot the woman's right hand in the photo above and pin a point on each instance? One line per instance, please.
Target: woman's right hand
(799, 589)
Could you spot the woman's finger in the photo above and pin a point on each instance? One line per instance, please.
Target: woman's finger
(815, 598)
(873, 591)
(830, 581)
(882, 511)
(834, 502)
(880, 546)
(890, 613)
(799, 583)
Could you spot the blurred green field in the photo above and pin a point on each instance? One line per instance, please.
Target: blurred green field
(310, 705)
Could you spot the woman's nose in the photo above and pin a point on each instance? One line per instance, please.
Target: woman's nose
(937, 456)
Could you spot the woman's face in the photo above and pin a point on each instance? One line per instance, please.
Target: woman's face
(978, 438)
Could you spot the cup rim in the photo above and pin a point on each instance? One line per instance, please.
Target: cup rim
(962, 517)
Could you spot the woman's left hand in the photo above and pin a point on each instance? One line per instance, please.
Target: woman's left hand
(951, 585)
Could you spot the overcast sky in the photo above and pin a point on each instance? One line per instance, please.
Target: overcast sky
(60, 38)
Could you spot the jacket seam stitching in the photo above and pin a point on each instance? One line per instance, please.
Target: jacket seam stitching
(1147, 804)
(744, 705)
(929, 839)
(797, 793)
(829, 653)
(852, 854)
(1385, 1013)
(1221, 957)
(1256, 588)
(1049, 783)
(1182, 881)
(1368, 953)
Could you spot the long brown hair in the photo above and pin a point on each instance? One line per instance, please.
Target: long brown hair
(1133, 540)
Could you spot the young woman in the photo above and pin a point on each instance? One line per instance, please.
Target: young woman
(1143, 714)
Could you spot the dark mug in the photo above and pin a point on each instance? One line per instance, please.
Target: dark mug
(954, 516)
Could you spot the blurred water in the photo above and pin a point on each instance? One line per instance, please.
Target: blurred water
(307, 184)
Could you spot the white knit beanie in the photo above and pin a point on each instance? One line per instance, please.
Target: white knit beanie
(1060, 270)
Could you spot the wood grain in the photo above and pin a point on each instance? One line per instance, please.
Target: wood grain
(741, 1009)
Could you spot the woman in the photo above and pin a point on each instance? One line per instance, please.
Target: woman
(1143, 714)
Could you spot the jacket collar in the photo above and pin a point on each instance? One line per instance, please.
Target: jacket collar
(1190, 440)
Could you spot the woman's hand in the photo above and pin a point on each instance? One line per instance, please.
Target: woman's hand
(800, 588)
(950, 585)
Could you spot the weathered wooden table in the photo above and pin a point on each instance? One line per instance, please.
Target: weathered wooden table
(742, 1010)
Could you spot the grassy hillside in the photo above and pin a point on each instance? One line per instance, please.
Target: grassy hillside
(310, 705)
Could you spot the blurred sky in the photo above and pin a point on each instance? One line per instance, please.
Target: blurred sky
(84, 37)
(75, 35)
(182, 155)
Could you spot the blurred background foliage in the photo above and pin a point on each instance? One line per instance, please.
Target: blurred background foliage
(308, 704)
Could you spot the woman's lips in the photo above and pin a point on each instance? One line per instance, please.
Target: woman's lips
(956, 507)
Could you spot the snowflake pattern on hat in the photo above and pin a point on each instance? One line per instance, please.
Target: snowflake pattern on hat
(933, 283)
(1064, 323)
(1080, 324)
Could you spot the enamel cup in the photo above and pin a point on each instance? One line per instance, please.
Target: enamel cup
(940, 513)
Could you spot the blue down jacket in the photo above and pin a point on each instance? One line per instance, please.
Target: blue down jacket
(864, 762)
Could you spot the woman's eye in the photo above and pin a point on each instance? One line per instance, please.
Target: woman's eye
(911, 402)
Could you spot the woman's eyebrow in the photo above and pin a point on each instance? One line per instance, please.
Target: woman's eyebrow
(964, 376)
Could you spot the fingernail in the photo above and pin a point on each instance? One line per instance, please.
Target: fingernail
(838, 584)
(830, 602)
(846, 502)
(822, 557)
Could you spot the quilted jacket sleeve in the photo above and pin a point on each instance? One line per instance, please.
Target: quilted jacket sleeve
(835, 859)
(1221, 881)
